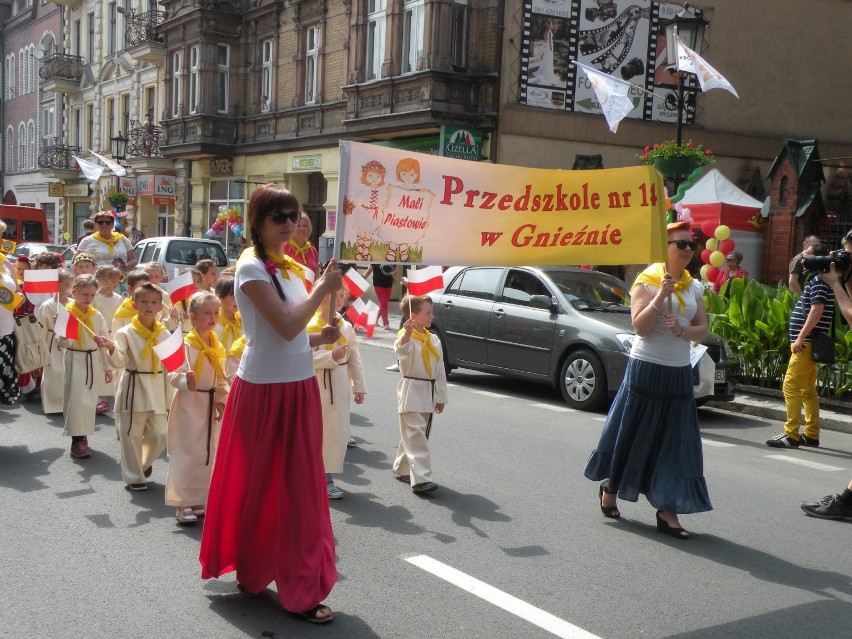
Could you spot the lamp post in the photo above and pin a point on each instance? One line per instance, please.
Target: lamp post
(118, 146)
(689, 26)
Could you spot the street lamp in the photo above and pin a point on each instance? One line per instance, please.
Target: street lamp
(119, 147)
(689, 26)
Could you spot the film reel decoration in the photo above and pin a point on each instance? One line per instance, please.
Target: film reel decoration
(621, 31)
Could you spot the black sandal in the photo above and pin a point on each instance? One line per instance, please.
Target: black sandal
(610, 512)
(311, 615)
(665, 527)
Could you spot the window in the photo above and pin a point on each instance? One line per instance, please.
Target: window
(90, 127)
(480, 283)
(223, 55)
(31, 138)
(122, 31)
(521, 286)
(412, 35)
(151, 102)
(109, 118)
(193, 79)
(312, 45)
(11, 77)
(230, 194)
(78, 35)
(266, 76)
(375, 39)
(165, 223)
(48, 125)
(78, 127)
(23, 162)
(176, 88)
(22, 83)
(125, 114)
(189, 252)
(112, 30)
(90, 43)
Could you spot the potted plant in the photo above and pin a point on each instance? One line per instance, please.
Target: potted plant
(118, 199)
(675, 160)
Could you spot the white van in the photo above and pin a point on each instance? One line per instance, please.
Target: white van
(177, 253)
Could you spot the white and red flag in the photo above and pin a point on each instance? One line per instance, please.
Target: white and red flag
(357, 313)
(171, 351)
(355, 283)
(372, 317)
(310, 278)
(67, 325)
(425, 280)
(42, 281)
(180, 288)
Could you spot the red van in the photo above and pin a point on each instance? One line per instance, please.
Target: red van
(24, 223)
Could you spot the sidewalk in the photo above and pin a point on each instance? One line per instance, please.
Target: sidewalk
(765, 403)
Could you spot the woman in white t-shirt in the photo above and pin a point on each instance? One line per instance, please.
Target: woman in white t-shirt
(267, 514)
(651, 443)
(107, 244)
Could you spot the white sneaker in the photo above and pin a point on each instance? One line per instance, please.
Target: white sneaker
(394, 368)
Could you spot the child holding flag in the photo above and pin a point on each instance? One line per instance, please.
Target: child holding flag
(108, 303)
(230, 326)
(81, 330)
(339, 372)
(196, 411)
(142, 396)
(157, 275)
(126, 311)
(421, 392)
(53, 376)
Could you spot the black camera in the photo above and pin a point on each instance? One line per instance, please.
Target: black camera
(606, 11)
(841, 259)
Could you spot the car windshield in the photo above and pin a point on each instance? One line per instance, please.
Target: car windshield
(189, 252)
(591, 290)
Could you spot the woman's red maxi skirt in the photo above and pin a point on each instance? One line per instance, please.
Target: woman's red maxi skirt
(267, 514)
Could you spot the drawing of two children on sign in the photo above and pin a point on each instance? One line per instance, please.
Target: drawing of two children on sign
(389, 220)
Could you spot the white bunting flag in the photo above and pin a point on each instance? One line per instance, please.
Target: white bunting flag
(708, 77)
(611, 94)
(112, 165)
(91, 170)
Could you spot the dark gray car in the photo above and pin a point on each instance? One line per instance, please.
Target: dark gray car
(564, 326)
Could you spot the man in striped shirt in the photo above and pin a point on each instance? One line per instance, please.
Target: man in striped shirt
(813, 313)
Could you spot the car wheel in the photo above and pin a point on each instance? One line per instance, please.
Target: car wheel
(583, 381)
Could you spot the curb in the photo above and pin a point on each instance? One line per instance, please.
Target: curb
(771, 410)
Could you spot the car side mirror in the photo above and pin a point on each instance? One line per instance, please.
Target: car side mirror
(542, 301)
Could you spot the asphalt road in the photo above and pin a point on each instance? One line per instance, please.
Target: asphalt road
(514, 534)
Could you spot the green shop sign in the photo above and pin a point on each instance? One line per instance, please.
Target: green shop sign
(463, 144)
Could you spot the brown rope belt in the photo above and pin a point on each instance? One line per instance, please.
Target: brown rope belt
(210, 405)
(131, 395)
(432, 385)
(90, 365)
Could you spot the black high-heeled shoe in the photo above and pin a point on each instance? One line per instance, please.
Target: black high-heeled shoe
(664, 527)
(608, 511)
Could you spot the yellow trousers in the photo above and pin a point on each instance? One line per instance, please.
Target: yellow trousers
(800, 390)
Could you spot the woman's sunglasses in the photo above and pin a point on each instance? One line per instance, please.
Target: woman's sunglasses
(682, 244)
(280, 217)
(105, 222)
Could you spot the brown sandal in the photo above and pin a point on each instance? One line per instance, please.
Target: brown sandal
(311, 615)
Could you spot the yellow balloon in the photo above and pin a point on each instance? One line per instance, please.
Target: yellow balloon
(717, 258)
(722, 232)
(704, 270)
(712, 244)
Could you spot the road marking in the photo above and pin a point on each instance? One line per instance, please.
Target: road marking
(555, 407)
(490, 394)
(710, 442)
(804, 462)
(507, 602)
(598, 419)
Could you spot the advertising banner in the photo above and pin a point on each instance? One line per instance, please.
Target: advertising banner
(412, 208)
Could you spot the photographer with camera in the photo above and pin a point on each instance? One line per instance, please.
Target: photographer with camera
(796, 280)
(812, 314)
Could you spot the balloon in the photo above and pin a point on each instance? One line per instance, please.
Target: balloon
(686, 216)
(705, 255)
(117, 225)
(726, 246)
(712, 274)
(210, 233)
(238, 229)
(717, 258)
(722, 232)
(66, 236)
(223, 208)
(678, 207)
(668, 204)
(712, 244)
(704, 270)
(687, 211)
(708, 228)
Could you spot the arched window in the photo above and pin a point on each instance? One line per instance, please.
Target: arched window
(31, 137)
(12, 76)
(10, 150)
(22, 147)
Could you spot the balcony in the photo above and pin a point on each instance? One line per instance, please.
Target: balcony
(67, 3)
(143, 148)
(56, 161)
(61, 73)
(199, 135)
(144, 40)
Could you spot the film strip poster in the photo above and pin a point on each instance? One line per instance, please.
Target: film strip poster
(622, 38)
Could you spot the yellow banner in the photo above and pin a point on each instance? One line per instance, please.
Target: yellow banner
(9, 299)
(398, 206)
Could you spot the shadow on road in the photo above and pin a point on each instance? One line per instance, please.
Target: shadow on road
(20, 467)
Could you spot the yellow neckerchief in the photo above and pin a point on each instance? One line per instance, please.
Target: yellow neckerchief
(237, 347)
(151, 338)
(111, 242)
(285, 263)
(318, 321)
(231, 330)
(428, 348)
(301, 251)
(125, 310)
(214, 352)
(653, 275)
(85, 318)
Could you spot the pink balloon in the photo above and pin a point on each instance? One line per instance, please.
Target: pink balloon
(712, 274)
(726, 246)
(708, 228)
(705, 256)
(687, 211)
(686, 216)
(678, 207)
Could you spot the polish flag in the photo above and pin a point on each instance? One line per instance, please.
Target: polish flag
(171, 351)
(310, 278)
(42, 281)
(357, 313)
(180, 288)
(425, 280)
(372, 317)
(355, 283)
(67, 325)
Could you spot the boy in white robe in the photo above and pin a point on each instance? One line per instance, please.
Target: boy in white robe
(53, 377)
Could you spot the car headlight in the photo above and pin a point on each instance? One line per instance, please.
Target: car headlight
(626, 340)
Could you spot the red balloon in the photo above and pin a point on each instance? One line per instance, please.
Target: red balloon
(708, 228)
(726, 246)
(712, 274)
(705, 256)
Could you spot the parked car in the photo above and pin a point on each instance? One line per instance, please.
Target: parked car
(564, 326)
(177, 253)
(68, 255)
(31, 249)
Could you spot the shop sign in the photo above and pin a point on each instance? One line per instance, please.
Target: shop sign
(164, 185)
(460, 143)
(163, 201)
(76, 190)
(145, 185)
(127, 184)
(55, 189)
(307, 162)
(221, 167)
(430, 145)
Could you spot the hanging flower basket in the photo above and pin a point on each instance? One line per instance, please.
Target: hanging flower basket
(675, 160)
(118, 199)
